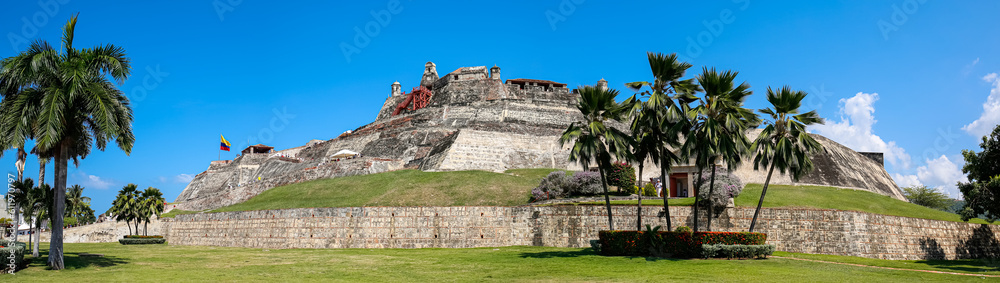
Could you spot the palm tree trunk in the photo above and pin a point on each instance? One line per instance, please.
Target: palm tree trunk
(762, 193)
(607, 199)
(59, 199)
(137, 226)
(697, 187)
(145, 226)
(666, 192)
(638, 220)
(41, 169)
(129, 225)
(711, 205)
(37, 233)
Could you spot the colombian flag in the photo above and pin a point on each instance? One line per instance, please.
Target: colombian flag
(225, 144)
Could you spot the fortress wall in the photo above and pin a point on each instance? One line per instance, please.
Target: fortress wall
(483, 150)
(794, 230)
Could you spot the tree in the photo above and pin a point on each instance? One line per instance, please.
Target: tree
(126, 207)
(79, 106)
(982, 191)
(784, 143)
(928, 197)
(151, 204)
(593, 141)
(76, 204)
(661, 121)
(22, 201)
(719, 123)
(41, 198)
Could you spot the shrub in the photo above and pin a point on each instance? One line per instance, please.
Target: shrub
(737, 251)
(141, 241)
(552, 186)
(622, 175)
(649, 190)
(17, 248)
(585, 183)
(143, 237)
(683, 229)
(670, 244)
(727, 186)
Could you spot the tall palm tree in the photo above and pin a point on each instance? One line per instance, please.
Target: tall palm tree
(79, 105)
(719, 124)
(152, 204)
(593, 140)
(662, 118)
(784, 143)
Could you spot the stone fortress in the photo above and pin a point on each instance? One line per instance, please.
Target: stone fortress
(471, 119)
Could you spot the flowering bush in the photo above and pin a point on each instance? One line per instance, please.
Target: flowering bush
(552, 186)
(621, 175)
(585, 184)
(727, 186)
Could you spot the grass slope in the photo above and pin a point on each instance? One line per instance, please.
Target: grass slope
(402, 188)
(505, 264)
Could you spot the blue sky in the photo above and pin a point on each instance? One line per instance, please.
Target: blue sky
(910, 78)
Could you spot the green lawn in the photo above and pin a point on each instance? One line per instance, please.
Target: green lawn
(504, 264)
(977, 266)
(403, 188)
(176, 212)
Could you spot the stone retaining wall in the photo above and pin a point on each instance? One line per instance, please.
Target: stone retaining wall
(795, 230)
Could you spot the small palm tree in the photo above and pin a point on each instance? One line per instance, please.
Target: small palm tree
(41, 197)
(593, 140)
(126, 206)
(79, 105)
(152, 204)
(784, 143)
(719, 125)
(661, 119)
(75, 201)
(22, 201)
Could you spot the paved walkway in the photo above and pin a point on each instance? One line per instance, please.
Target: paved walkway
(890, 268)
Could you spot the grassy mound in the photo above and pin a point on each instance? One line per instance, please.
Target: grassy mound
(403, 188)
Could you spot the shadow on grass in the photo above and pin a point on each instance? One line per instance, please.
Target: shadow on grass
(73, 260)
(585, 252)
(965, 265)
(979, 253)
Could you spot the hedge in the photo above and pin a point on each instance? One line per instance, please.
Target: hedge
(143, 237)
(141, 241)
(18, 249)
(737, 251)
(669, 243)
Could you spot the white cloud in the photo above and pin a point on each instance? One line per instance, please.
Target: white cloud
(906, 180)
(939, 173)
(93, 181)
(854, 129)
(991, 110)
(162, 179)
(184, 178)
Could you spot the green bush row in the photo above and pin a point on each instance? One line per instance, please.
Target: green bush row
(143, 237)
(737, 251)
(670, 243)
(9, 247)
(141, 241)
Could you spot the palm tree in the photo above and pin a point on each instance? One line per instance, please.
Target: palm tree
(662, 118)
(79, 105)
(126, 206)
(152, 204)
(784, 143)
(41, 196)
(719, 125)
(76, 203)
(593, 140)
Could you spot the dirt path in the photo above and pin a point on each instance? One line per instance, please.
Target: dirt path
(890, 268)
